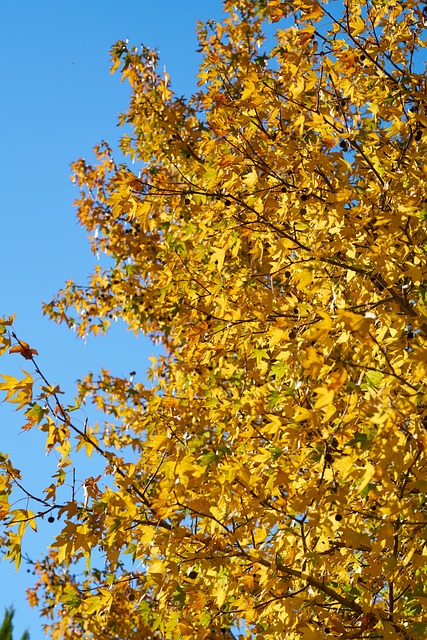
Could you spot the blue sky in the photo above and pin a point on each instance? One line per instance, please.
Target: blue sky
(58, 101)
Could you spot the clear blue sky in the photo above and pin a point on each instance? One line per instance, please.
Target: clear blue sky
(58, 101)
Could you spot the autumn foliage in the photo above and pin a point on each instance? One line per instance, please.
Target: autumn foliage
(270, 480)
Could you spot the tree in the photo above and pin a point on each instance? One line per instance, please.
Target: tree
(6, 629)
(270, 232)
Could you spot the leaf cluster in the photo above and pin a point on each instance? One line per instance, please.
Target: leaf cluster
(269, 482)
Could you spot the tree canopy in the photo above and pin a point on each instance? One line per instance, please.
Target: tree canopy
(269, 481)
(6, 628)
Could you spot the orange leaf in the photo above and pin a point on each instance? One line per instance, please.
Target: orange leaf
(24, 349)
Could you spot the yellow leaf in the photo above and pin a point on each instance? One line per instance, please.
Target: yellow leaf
(302, 414)
(325, 397)
(357, 26)
(156, 567)
(344, 464)
(147, 535)
(367, 477)
(218, 257)
(303, 278)
(220, 594)
(251, 178)
(248, 90)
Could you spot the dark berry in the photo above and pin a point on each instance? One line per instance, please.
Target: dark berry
(51, 519)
